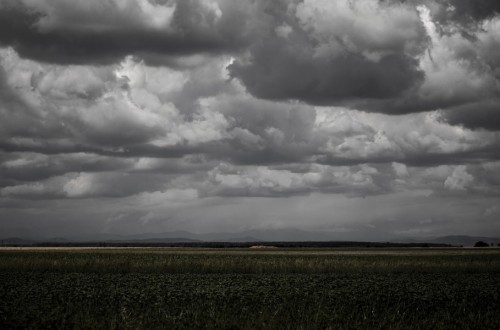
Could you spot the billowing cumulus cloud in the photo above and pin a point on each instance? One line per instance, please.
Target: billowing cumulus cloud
(459, 179)
(106, 110)
(227, 180)
(404, 58)
(363, 117)
(336, 51)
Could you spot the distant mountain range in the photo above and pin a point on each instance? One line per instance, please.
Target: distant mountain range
(256, 235)
(461, 240)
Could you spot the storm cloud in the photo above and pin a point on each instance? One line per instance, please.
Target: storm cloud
(101, 32)
(343, 51)
(156, 115)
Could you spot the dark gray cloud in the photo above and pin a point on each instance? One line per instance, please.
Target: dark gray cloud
(276, 75)
(267, 132)
(484, 115)
(471, 11)
(464, 12)
(103, 32)
(26, 167)
(145, 150)
(87, 185)
(320, 58)
(20, 168)
(315, 57)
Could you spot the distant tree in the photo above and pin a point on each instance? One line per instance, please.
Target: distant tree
(481, 244)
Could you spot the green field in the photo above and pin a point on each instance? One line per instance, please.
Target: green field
(250, 288)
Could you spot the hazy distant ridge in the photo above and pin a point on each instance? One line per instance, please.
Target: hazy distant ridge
(276, 235)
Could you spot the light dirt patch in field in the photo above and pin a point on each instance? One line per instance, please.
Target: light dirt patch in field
(263, 247)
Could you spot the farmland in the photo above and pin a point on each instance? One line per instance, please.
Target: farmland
(249, 288)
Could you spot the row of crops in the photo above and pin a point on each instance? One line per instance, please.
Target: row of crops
(396, 294)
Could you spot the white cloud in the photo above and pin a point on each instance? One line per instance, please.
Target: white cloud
(80, 186)
(283, 30)
(229, 180)
(357, 135)
(364, 26)
(459, 179)
(400, 169)
(454, 66)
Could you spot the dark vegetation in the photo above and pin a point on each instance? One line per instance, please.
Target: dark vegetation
(174, 288)
(481, 244)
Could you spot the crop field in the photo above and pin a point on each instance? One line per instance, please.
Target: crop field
(170, 288)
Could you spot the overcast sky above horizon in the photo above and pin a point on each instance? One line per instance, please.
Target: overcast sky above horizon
(368, 119)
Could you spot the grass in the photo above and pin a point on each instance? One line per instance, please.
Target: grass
(242, 288)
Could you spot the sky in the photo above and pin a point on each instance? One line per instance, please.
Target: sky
(363, 119)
